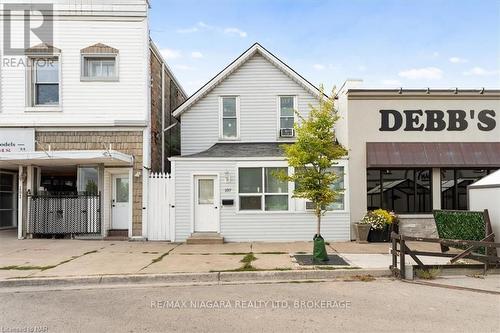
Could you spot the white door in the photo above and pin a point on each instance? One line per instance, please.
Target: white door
(206, 208)
(120, 206)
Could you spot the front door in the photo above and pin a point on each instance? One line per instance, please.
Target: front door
(120, 206)
(206, 209)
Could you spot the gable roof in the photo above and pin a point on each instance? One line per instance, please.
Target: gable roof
(222, 75)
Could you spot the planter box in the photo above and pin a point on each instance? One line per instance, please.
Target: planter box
(383, 235)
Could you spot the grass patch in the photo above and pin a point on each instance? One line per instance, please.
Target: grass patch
(428, 274)
(362, 278)
(28, 268)
(160, 258)
(248, 258)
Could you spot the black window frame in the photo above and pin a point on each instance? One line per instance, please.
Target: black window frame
(384, 204)
(455, 200)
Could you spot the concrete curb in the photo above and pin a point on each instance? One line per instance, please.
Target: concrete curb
(192, 278)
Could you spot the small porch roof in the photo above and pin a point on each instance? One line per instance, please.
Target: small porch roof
(65, 157)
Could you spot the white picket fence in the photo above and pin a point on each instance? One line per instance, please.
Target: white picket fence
(160, 206)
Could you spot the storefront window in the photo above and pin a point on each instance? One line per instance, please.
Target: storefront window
(404, 191)
(454, 184)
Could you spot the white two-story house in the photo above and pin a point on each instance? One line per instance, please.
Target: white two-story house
(232, 130)
(83, 106)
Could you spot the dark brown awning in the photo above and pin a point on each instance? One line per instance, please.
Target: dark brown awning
(432, 154)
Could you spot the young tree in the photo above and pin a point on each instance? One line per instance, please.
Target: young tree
(312, 156)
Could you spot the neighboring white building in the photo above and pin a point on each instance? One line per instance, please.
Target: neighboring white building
(485, 194)
(231, 132)
(75, 119)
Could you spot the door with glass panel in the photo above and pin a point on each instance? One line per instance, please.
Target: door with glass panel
(8, 200)
(120, 207)
(205, 204)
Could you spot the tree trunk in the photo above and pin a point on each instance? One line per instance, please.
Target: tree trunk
(318, 227)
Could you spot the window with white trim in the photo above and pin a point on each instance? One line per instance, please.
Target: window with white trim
(99, 67)
(44, 87)
(338, 204)
(287, 115)
(260, 189)
(229, 115)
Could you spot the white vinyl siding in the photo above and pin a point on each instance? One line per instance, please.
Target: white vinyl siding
(257, 83)
(86, 102)
(295, 224)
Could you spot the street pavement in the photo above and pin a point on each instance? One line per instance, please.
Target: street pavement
(382, 305)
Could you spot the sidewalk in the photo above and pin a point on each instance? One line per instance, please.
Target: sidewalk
(39, 258)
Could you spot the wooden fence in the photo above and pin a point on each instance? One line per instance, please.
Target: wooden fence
(400, 248)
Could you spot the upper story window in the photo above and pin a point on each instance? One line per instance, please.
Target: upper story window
(43, 76)
(99, 68)
(99, 63)
(286, 116)
(45, 81)
(229, 123)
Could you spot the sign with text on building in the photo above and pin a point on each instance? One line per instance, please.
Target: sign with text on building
(17, 140)
(437, 120)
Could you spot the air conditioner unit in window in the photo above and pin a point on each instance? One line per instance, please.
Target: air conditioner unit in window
(287, 132)
(310, 205)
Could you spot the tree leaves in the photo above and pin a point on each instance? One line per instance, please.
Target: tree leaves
(314, 153)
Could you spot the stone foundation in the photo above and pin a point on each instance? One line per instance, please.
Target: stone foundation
(418, 226)
(128, 142)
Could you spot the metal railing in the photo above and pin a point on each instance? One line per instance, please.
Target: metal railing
(65, 214)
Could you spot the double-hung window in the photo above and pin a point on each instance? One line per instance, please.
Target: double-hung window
(45, 81)
(260, 189)
(99, 68)
(229, 117)
(286, 116)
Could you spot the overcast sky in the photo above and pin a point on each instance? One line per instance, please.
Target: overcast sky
(413, 44)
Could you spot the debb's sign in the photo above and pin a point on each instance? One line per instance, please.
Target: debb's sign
(436, 120)
(17, 140)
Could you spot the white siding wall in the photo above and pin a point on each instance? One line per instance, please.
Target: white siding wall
(258, 83)
(244, 226)
(86, 102)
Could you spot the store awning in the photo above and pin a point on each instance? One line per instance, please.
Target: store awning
(432, 154)
(65, 157)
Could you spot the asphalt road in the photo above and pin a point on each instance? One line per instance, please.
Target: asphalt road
(376, 306)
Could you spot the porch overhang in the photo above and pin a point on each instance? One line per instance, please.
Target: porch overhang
(65, 157)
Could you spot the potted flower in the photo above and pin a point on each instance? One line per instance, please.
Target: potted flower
(383, 223)
(362, 230)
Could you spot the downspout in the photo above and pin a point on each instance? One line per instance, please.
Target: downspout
(162, 117)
